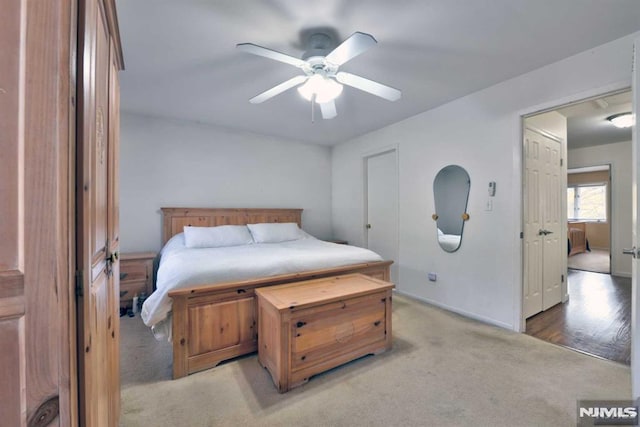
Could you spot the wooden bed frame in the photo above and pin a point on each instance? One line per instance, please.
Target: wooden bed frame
(577, 235)
(212, 323)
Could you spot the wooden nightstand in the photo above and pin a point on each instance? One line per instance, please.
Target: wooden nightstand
(136, 276)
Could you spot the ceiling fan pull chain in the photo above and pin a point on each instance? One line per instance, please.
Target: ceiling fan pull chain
(313, 107)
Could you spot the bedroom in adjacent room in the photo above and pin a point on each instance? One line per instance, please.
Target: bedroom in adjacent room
(589, 219)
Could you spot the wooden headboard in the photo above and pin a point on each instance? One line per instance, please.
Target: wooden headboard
(175, 219)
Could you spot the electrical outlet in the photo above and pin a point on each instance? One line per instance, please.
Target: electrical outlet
(432, 276)
(489, 206)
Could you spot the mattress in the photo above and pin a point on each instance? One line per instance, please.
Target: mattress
(182, 267)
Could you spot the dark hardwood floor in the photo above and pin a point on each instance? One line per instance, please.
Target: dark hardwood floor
(595, 320)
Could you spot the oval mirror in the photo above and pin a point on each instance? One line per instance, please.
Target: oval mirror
(451, 192)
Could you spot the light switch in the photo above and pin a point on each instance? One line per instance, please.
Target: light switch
(489, 206)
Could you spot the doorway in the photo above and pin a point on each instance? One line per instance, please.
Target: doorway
(597, 220)
(589, 219)
(381, 206)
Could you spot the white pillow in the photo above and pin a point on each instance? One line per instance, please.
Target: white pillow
(217, 237)
(275, 232)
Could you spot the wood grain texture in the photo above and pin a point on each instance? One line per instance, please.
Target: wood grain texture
(36, 260)
(113, 210)
(595, 320)
(11, 132)
(66, 251)
(194, 349)
(38, 41)
(136, 276)
(212, 323)
(46, 201)
(12, 302)
(175, 219)
(311, 326)
(294, 297)
(97, 218)
(12, 371)
(577, 235)
(13, 405)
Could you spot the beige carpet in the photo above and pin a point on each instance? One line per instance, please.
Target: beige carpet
(597, 261)
(443, 370)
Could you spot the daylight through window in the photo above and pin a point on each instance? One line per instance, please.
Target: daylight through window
(587, 202)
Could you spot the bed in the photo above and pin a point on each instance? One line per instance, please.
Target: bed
(213, 318)
(449, 242)
(577, 237)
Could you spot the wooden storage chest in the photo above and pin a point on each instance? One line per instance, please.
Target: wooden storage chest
(308, 327)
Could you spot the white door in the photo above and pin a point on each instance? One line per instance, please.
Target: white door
(542, 223)
(635, 303)
(382, 207)
(552, 253)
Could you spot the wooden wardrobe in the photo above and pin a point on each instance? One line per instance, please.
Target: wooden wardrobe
(59, 213)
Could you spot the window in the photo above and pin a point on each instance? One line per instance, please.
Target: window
(587, 202)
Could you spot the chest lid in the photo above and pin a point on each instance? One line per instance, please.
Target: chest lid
(321, 291)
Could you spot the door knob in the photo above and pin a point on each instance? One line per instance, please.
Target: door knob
(368, 226)
(631, 251)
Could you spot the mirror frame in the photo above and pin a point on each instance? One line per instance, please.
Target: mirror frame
(449, 243)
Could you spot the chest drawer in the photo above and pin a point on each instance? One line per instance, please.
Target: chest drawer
(327, 332)
(133, 271)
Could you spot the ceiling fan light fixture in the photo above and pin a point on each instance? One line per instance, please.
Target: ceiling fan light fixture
(622, 120)
(321, 82)
(324, 88)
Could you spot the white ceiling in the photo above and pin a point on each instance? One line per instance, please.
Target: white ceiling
(181, 60)
(587, 123)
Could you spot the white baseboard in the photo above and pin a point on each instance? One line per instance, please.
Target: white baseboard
(621, 274)
(461, 312)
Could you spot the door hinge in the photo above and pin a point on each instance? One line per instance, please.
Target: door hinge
(562, 278)
(79, 290)
(561, 161)
(522, 235)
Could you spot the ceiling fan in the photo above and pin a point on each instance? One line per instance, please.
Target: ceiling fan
(322, 82)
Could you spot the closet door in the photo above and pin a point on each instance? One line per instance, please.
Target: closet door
(113, 226)
(12, 289)
(97, 223)
(37, 360)
(382, 207)
(542, 223)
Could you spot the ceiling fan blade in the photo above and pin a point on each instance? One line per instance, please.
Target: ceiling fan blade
(277, 90)
(356, 44)
(328, 110)
(271, 54)
(370, 86)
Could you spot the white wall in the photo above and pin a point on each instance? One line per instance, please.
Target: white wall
(619, 156)
(165, 163)
(481, 132)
